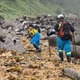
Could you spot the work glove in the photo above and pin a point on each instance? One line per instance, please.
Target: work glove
(50, 33)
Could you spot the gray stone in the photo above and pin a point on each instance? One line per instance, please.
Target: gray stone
(77, 39)
(13, 33)
(76, 51)
(2, 33)
(5, 31)
(1, 19)
(20, 26)
(52, 40)
(7, 41)
(9, 36)
(71, 73)
(43, 36)
(6, 24)
(24, 32)
(17, 42)
(10, 46)
(20, 48)
(2, 45)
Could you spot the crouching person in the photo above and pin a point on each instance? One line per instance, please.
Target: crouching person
(35, 37)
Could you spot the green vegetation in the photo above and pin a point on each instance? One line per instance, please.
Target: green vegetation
(15, 8)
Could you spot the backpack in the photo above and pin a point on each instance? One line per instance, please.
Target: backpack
(38, 28)
(65, 30)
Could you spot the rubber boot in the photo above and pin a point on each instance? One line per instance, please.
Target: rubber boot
(68, 58)
(61, 56)
(38, 49)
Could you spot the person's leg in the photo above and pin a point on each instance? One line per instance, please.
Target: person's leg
(60, 48)
(67, 48)
(38, 42)
(38, 39)
(35, 42)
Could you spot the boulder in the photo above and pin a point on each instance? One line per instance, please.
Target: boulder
(10, 46)
(73, 74)
(7, 41)
(52, 40)
(1, 19)
(20, 48)
(2, 45)
(77, 39)
(2, 34)
(76, 51)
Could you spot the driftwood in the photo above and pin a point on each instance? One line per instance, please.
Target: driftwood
(71, 73)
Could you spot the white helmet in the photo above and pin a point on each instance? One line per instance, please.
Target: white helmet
(60, 16)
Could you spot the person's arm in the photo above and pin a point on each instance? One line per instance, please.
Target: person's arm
(53, 31)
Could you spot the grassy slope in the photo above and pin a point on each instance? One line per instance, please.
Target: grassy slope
(15, 8)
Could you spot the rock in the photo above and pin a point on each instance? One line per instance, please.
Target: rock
(20, 48)
(1, 19)
(10, 46)
(2, 35)
(6, 24)
(43, 36)
(9, 36)
(53, 40)
(24, 33)
(71, 73)
(77, 39)
(7, 41)
(13, 33)
(75, 51)
(2, 45)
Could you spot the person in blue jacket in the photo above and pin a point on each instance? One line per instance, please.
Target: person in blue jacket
(35, 37)
(65, 34)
